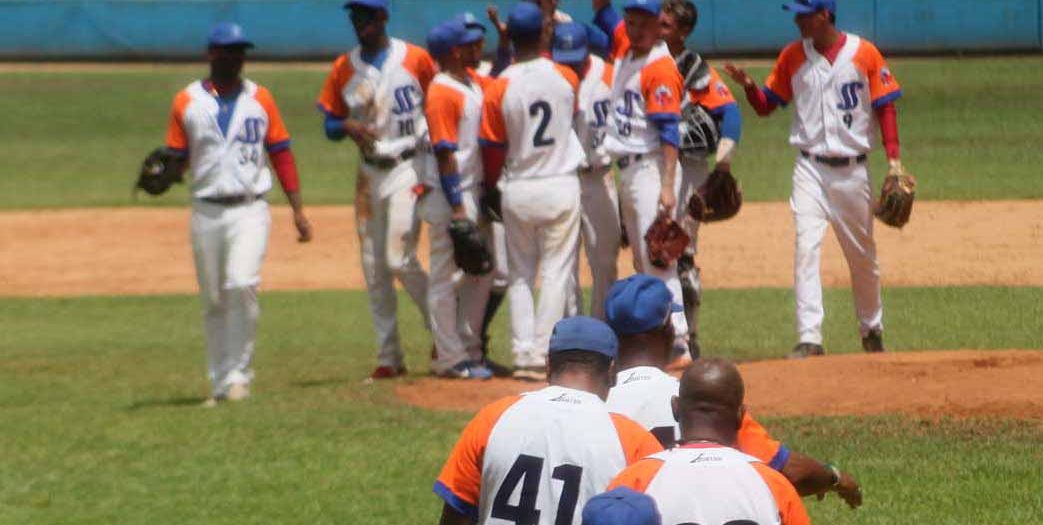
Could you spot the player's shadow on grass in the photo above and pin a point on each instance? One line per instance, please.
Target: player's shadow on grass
(321, 382)
(174, 402)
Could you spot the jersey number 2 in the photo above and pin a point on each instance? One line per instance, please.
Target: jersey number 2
(543, 108)
(527, 471)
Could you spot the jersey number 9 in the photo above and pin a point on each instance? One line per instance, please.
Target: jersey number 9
(527, 471)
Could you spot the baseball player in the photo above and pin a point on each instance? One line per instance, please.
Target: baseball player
(842, 90)
(527, 137)
(453, 109)
(705, 94)
(538, 457)
(643, 136)
(375, 95)
(600, 230)
(705, 479)
(223, 126)
(637, 310)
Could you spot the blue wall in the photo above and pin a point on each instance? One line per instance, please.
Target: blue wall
(297, 28)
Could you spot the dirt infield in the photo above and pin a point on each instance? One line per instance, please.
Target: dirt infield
(146, 250)
(952, 383)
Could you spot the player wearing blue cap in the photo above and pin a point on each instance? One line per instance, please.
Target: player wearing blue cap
(226, 129)
(537, 458)
(374, 94)
(842, 92)
(711, 124)
(453, 110)
(638, 310)
(600, 228)
(621, 506)
(705, 479)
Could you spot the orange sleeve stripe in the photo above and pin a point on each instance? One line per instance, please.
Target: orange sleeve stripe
(662, 87)
(883, 87)
(569, 75)
(637, 442)
(791, 508)
(277, 132)
(606, 77)
(460, 482)
(176, 136)
(637, 476)
(715, 95)
(494, 129)
(620, 41)
(780, 81)
(420, 64)
(330, 100)
(755, 440)
(443, 109)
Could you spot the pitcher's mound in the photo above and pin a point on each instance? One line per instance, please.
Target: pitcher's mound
(958, 383)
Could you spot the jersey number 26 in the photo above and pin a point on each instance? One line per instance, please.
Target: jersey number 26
(527, 471)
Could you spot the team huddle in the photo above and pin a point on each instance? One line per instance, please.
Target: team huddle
(514, 169)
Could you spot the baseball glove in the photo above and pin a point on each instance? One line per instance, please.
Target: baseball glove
(160, 170)
(896, 197)
(469, 249)
(718, 199)
(666, 241)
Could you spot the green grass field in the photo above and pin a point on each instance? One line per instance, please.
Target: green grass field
(98, 398)
(970, 130)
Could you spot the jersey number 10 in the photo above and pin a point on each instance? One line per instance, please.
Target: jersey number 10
(527, 471)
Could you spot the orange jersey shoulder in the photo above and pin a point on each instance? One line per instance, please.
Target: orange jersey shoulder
(780, 79)
(883, 87)
(330, 100)
(420, 64)
(277, 132)
(443, 109)
(177, 138)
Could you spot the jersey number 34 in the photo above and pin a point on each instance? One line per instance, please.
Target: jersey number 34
(527, 471)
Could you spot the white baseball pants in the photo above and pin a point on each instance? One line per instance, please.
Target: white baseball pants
(693, 174)
(600, 233)
(388, 241)
(841, 197)
(455, 301)
(639, 188)
(542, 219)
(228, 244)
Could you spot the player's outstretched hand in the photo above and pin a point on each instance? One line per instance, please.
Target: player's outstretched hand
(848, 490)
(739, 74)
(303, 227)
(494, 18)
(598, 4)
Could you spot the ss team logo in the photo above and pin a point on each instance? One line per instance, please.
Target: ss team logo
(405, 100)
(849, 100)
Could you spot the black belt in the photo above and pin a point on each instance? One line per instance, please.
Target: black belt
(386, 163)
(623, 162)
(835, 162)
(233, 200)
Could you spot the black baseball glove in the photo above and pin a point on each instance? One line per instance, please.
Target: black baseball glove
(469, 249)
(160, 170)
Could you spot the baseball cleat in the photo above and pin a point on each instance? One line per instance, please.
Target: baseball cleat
(803, 350)
(211, 402)
(873, 342)
(238, 392)
(530, 373)
(467, 370)
(387, 372)
(498, 370)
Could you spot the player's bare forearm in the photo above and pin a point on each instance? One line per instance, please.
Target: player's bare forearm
(451, 517)
(667, 198)
(300, 221)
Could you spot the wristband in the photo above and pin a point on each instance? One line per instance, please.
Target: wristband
(834, 473)
(451, 188)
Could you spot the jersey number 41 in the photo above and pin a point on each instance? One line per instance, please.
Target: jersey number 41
(527, 471)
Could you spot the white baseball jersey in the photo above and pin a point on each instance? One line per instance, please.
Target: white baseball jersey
(537, 458)
(834, 102)
(710, 483)
(529, 109)
(454, 114)
(227, 140)
(595, 104)
(643, 89)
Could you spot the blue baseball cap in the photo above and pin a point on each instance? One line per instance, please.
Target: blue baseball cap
(584, 333)
(638, 304)
(475, 29)
(570, 44)
(597, 40)
(648, 6)
(370, 4)
(621, 506)
(803, 7)
(227, 34)
(444, 37)
(524, 19)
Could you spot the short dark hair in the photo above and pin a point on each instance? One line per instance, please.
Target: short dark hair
(590, 363)
(684, 11)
